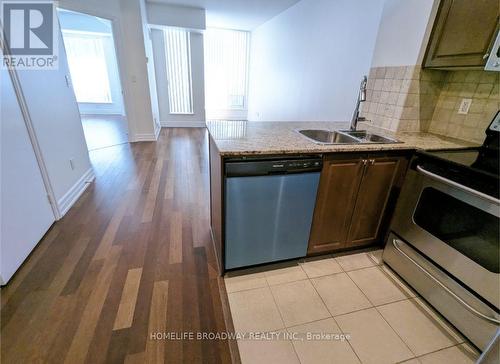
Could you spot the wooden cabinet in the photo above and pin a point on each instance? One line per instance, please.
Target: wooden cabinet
(462, 34)
(355, 196)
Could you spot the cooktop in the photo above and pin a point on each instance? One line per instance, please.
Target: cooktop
(477, 168)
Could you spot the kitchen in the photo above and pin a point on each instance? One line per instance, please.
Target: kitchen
(346, 212)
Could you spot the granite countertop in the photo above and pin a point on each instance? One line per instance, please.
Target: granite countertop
(234, 138)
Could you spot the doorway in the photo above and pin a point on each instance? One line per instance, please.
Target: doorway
(93, 65)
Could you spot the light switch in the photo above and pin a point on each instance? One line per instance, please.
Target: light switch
(464, 106)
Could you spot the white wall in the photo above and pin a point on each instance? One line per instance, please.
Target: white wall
(402, 32)
(58, 129)
(307, 62)
(128, 32)
(25, 213)
(175, 16)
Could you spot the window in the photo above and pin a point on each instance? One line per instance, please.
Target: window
(177, 49)
(88, 66)
(226, 62)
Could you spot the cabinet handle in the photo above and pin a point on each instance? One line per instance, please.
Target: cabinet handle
(486, 55)
(372, 161)
(365, 162)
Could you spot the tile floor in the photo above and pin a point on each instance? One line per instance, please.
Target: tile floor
(344, 309)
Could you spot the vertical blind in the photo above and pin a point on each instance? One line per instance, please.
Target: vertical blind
(226, 62)
(177, 49)
(88, 67)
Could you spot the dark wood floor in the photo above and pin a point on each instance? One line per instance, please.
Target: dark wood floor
(132, 257)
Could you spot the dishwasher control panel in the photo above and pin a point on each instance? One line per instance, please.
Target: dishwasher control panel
(267, 167)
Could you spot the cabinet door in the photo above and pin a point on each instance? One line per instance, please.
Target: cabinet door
(379, 177)
(338, 188)
(462, 34)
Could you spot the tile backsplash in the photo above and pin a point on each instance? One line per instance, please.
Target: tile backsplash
(480, 86)
(409, 98)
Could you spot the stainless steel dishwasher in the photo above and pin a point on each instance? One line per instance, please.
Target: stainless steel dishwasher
(269, 207)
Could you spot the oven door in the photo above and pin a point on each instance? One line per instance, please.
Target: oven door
(454, 226)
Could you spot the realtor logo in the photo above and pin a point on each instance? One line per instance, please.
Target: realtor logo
(30, 34)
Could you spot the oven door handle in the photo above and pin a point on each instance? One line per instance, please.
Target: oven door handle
(457, 185)
(449, 291)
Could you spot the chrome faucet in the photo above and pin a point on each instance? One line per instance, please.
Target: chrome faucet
(361, 98)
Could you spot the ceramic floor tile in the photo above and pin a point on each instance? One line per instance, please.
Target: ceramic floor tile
(340, 294)
(420, 328)
(299, 303)
(245, 281)
(278, 351)
(355, 261)
(254, 310)
(285, 275)
(313, 349)
(371, 337)
(378, 286)
(320, 267)
(376, 256)
(460, 354)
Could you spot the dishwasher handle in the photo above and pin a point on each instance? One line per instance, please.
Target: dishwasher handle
(272, 167)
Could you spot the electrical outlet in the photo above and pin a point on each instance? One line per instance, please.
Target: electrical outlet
(72, 163)
(464, 106)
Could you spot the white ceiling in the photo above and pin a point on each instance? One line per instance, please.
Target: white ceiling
(235, 14)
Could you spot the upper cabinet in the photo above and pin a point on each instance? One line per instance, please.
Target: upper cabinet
(463, 33)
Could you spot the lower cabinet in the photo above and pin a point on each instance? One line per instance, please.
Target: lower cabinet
(355, 199)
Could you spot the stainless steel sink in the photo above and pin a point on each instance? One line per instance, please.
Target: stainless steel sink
(367, 137)
(322, 136)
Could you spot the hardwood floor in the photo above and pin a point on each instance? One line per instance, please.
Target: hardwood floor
(133, 257)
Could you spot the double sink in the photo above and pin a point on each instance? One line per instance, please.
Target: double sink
(321, 136)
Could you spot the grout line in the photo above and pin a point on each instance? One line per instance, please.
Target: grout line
(281, 316)
(397, 334)
(348, 341)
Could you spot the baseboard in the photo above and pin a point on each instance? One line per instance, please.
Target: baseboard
(70, 197)
(183, 124)
(147, 137)
(157, 131)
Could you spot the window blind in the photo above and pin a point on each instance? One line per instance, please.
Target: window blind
(177, 49)
(226, 62)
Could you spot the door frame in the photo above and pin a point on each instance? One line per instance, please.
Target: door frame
(117, 43)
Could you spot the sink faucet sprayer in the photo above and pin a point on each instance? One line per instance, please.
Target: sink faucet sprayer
(361, 98)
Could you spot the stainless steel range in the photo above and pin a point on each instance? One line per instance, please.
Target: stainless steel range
(444, 238)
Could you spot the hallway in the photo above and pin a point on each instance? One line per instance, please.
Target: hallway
(103, 131)
(132, 257)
